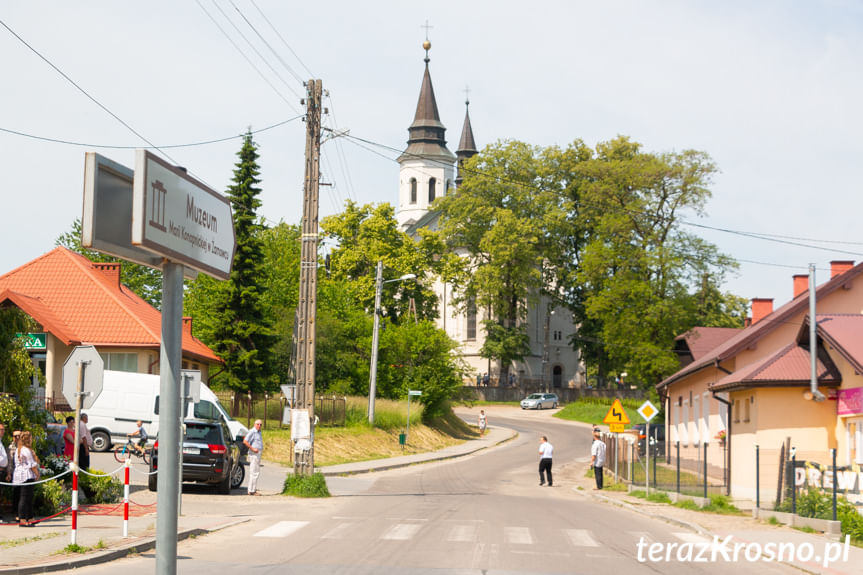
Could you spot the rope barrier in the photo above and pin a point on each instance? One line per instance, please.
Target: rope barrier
(47, 479)
(84, 471)
(154, 472)
(142, 504)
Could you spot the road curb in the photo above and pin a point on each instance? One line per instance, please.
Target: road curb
(695, 528)
(124, 550)
(371, 467)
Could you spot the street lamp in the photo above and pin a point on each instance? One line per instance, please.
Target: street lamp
(373, 372)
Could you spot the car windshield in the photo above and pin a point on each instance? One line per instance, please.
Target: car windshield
(535, 396)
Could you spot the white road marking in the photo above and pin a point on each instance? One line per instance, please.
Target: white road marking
(401, 531)
(281, 529)
(338, 532)
(518, 535)
(462, 533)
(581, 538)
(691, 537)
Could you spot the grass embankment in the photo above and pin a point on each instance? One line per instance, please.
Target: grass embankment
(594, 409)
(358, 441)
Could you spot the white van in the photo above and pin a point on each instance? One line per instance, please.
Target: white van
(127, 397)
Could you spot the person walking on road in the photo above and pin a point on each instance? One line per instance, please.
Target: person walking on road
(483, 422)
(255, 442)
(597, 457)
(545, 453)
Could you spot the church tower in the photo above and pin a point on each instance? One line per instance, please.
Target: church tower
(427, 165)
(466, 145)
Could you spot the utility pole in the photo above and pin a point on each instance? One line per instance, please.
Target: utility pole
(304, 463)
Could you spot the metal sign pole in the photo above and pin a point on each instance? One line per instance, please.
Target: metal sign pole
(79, 397)
(169, 417)
(647, 461)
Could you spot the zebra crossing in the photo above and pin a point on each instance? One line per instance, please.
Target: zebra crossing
(467, 531)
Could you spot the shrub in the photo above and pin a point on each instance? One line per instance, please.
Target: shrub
(721, 504)
(687, 504)
(51, 497)
(306, 486)
(852, 521)
(101, 488)
(659, 497)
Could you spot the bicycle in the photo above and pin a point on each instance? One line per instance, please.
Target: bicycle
(131, 448)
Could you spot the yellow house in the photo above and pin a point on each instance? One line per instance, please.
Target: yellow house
(754, 390)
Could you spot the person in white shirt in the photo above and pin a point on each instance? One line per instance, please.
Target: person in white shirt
(255, 442)
(545, 453)
(597, 457)
(483, 422)
(86, 443)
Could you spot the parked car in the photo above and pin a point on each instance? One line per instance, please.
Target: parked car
(209, 456)
(657, 438)
(539, 401)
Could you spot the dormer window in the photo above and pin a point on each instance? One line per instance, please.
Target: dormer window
(432, 183)
(413, 190)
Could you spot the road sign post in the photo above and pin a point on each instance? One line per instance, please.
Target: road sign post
(411, 393)
(648, 411)
(616, 419)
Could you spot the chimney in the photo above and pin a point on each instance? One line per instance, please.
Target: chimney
(840, 267)
(187, 326)
(761, 308)
(801, 284)
(110, 271)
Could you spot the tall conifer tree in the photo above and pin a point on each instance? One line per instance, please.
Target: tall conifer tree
(244, 337)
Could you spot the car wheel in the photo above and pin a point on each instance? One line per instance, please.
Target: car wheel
(224, 487)
(554, 406)
(153, 482)
(539, 405)
(101, 441)
(237, 476)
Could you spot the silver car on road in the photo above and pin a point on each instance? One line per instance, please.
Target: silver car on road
(540, 401)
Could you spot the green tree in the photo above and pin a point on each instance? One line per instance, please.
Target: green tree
(643, 279)
(501, 218)
(422, 357)
(242, 335)
(145, 281)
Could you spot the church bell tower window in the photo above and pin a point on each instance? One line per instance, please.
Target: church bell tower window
(432, 183)
(413, 190)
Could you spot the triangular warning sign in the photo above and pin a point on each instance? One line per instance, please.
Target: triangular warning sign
(616, 414)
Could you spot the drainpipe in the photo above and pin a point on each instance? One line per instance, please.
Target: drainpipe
(813, 347)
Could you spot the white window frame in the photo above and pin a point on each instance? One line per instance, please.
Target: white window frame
(684, 423)
(705, 416)
(696, 415)
(676, 425)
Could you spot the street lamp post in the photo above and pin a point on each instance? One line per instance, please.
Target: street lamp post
(373, 371)
(546, 387)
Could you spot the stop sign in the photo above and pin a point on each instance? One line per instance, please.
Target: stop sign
(94, 369)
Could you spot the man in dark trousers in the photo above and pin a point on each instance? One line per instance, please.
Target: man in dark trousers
(545, 452)
(597, 456)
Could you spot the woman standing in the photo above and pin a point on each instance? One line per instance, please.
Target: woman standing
(26, 473)
(69, 439)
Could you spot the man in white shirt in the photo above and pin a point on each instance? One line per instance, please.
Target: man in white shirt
(86, 443)
(545, 452)
(255, 442)
(597, 457)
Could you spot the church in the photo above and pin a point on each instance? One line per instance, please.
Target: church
(429, 170)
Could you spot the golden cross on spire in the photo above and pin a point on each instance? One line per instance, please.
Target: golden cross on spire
(466, 95)
(427, 44)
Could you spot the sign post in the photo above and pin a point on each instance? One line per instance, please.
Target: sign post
(616, 418)
(647, 411)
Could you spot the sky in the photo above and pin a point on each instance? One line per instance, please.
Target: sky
(771, 90)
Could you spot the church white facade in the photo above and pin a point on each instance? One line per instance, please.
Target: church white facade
(428, 170)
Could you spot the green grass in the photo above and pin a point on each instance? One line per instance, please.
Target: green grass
(773, 521)
(306, 486)
(594, 409)
(688, 504)
(75, 548)
(722, 505)
(25, 540)
(805, 529)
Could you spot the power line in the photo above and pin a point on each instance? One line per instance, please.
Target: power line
(168, 147)
(83, 91)
(281, 38)
(245, 57)
(267, 44)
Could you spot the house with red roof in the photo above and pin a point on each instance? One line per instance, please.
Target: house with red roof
(78, 302)
(754, 389)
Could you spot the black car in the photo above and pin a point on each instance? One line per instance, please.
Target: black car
(209, 456)
(657, 438)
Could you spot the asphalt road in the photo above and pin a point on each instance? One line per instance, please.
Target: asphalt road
(484, 513)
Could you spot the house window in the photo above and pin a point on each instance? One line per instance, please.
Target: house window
(432, 183)
(471, 318)
(736, 411)
(448, 185)
(705, 417)
(413, 190)
(746, 403)
(676, 422)
(696, 415)
(121, 361)
(854, 439)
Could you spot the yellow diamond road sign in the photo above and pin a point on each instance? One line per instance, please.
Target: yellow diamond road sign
(647, 410)
(616, 414)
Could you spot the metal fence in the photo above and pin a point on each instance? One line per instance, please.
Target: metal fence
(331, 411)
(700, 470)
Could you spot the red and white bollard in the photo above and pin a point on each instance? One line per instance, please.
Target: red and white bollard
(126, 499)
(74, 505)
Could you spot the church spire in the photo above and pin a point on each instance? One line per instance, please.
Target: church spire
(426, 133)
(466, 145)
